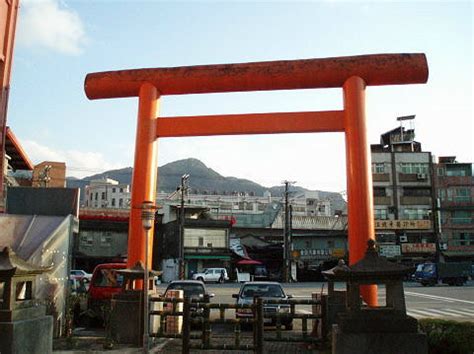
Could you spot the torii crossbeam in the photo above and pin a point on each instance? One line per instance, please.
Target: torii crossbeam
(353, 74)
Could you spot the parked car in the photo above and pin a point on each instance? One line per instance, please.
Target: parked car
(79, 274)
(218, 275)
(194, 289)
(260, 272)
(268, 290)
(104, 284)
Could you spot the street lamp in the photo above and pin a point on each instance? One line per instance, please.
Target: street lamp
(148, 217)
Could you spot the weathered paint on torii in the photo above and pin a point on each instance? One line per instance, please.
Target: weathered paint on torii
(353, 74)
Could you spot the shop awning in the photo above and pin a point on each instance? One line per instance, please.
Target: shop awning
(248, 262)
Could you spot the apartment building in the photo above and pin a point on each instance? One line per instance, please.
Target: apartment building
(454, 184)
(403, 197)
(107, 193)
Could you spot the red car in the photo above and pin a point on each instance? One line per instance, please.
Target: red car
(104, 284)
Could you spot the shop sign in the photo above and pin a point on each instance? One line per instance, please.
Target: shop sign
(389, 251)
(325, 252)
(402, 224)
(338, 252)
(418, 247)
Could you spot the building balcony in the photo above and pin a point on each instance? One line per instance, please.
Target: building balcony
(411, 200)
(447, 181)
(382, 200)
(454, 249)
(458, 203)
(421, 178)
(380, 177)
(458, 223)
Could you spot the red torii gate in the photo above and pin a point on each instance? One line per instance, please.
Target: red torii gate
(353, 74)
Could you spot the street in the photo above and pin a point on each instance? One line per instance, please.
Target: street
(441, 301)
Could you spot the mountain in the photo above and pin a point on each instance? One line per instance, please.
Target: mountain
(202, 179)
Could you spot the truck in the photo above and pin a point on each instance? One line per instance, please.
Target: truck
(451, 273)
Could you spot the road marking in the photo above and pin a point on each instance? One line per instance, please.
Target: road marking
(444, 313)
(436, 297)
(426, 313)
(463, 312)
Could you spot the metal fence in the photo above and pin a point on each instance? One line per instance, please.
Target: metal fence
(199, 314)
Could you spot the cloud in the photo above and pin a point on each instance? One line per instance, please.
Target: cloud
(78, 163)
(45, 23)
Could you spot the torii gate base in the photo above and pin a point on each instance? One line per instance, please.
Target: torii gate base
(350, 73)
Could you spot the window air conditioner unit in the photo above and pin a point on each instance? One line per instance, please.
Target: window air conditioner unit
(403, 238)
(421, 176)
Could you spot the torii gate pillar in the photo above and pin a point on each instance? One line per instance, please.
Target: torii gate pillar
(359, 176)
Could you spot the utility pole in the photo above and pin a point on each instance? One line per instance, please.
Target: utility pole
(44, 176)
(184, 189)
(286, 234)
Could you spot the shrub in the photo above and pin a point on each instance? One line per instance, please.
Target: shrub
(448, 337)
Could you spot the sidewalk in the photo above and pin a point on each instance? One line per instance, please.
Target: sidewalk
(94, 341)
(95, 345)
(174, 346)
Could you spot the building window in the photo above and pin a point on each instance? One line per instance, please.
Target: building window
(442, 194)
(456, 173)
(113, 202)
(86, 240)
(105, 240)
(380, 214)
(121, 190)
(440, 171)
(103, 196)
(458, 194)
(379, 192)
(378, 167)
(96, 195)
(201, 241)
(461, 217)
(416, 192)
(113, 190)
(416, 214)
(91, 196)
(414, 168)
(120, 202)
(463, 239)
(307, 244)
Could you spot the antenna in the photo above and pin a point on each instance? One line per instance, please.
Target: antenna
(409, 118)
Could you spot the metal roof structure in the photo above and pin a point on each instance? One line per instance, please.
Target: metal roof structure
(19, 160)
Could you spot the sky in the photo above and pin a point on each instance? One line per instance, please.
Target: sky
(59, 42)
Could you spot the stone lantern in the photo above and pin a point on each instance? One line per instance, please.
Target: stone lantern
(23, 324)
(382, 329)
(127, 310)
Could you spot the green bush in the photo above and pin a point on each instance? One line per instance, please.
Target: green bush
(448, 337)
